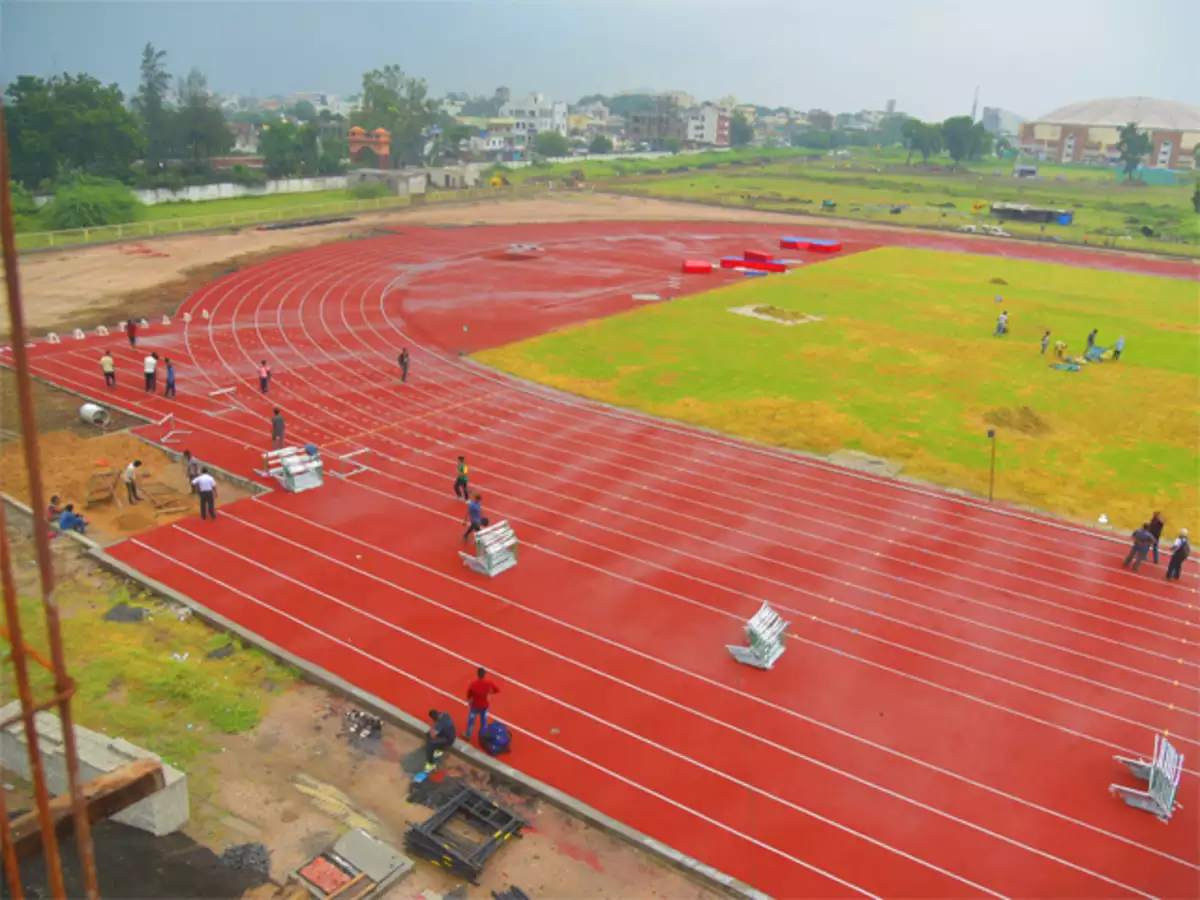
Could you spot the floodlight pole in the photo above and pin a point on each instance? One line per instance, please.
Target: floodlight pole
(992, 472)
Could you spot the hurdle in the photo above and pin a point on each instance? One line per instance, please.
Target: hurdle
(101, 331)
(495, 550)
(77, 334)
(765, 633)
(1161, 775)
(168, 432)
(293, 468)
(222, 400)
(354, 462)
(52, 338)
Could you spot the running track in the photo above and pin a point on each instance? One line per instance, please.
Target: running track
(958, 679)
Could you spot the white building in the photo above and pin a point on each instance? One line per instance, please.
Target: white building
(705, 125)
(535, 113)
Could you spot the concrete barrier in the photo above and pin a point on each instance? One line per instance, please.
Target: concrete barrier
(162, 813)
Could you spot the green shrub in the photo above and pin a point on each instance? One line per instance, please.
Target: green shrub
(370, 190)
(85, 202)
(22, 200)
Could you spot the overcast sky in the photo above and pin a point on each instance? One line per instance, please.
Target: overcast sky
(1028, 56)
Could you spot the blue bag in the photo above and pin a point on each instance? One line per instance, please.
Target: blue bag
(494, 738)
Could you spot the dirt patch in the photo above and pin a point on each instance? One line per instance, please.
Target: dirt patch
(69, 461)
(997, 281)
(1022, 419)
(56, 411)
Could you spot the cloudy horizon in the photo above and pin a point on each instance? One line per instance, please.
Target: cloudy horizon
(928, 55)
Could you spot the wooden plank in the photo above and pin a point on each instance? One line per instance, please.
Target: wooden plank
(103, 797)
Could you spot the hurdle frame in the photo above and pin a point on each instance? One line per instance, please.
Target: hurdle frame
(228, 395)
(345, 460)
(167, 432)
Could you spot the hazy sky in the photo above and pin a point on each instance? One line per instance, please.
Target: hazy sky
(840, 55)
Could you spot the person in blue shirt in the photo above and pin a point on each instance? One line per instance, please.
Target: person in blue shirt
(1118, 348)
(170, 391)
(1143, 540)
(71, 520)
(474, 517)
(441, 736)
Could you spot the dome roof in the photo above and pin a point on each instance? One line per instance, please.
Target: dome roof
(357, 130)
(1147, 112)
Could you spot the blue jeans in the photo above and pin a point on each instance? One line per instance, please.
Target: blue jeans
(482, 714)
(1156, 553)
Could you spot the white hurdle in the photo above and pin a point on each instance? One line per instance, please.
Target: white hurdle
(78, 334)
(166, 320)
(1162, 775)
(222, 400)
(293, 468)
(168, 433)
(765, 634)
(187, 318)
(495, 550)
(52, 338)
(101, 331)
(354, 462)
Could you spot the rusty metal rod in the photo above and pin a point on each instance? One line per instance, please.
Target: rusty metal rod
(29, 651)
(37, 773)
(37, 500)
(12, 869)
(39, 707)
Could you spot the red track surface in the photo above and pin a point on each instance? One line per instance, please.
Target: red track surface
(959, 677)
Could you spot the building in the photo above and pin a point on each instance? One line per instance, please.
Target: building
(657, 124)
(890, 108)
(536, 113)
(1089, 131)
(594, 110)
(503, 94)
(705, 126)
(500, 139)
(818, 118)
(1001, 121)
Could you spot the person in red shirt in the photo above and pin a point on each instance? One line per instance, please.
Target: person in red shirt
(478, 692)
(131, 329)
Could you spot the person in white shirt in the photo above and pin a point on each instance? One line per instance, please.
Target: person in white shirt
(150, 367)
(206, 487)
(130, 479)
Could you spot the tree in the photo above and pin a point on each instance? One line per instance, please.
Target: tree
(551, 143)
(400, 104)
(891, 129)
(1003, 145)
(672, 144)
(1132, 145)
(601, 143)
(281, 155)
(199, 131)
(1196, 197)
(741, 132)
(68, 124)
(958, 132)
(85, 201)
(308, 149)
(304, 111)
(922, 137)
(150, 103)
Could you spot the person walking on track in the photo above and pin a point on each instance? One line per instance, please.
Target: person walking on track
(131, 330)
(1180, 551)
(1155, 527)
(1142, 542)
(277, 429)
(474, 521)
(264, 377)
(150, 370)
(169, 390)
(403, 360)
(109, 368)
(130, 479)
(460, 481)
(206, 487)
(478, 692)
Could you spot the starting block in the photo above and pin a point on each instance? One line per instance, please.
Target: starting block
(765, 633)
(1161, 775)
(101, 331)
(52, 338)
(77, 334)
(495, 550)
(294, 469)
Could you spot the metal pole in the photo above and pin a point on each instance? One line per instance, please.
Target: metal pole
(992, 472)
(63, 686)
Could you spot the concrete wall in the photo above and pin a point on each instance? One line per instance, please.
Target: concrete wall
(225, 191)
(162, 813)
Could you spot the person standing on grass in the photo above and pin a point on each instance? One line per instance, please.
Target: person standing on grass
(131, 330)
(1142, 542)
(478, 692)
(169, 390)
(474, 521)
(206, 487)
(441, 736)
(460, 481)
(109, 368)
(1002, 324)
(150, 370)
(1117, 350)
(1045, 342)
(277, 429)
(1180, 551)
(264, 377)
(403, 360)
(1091, 338)
(1155, 527)
(130, 479)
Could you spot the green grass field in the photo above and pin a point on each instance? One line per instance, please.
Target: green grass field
(904, 365)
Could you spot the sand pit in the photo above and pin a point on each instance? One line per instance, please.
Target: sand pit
(69, 460)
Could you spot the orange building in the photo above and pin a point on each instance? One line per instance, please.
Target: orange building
(377, 142)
